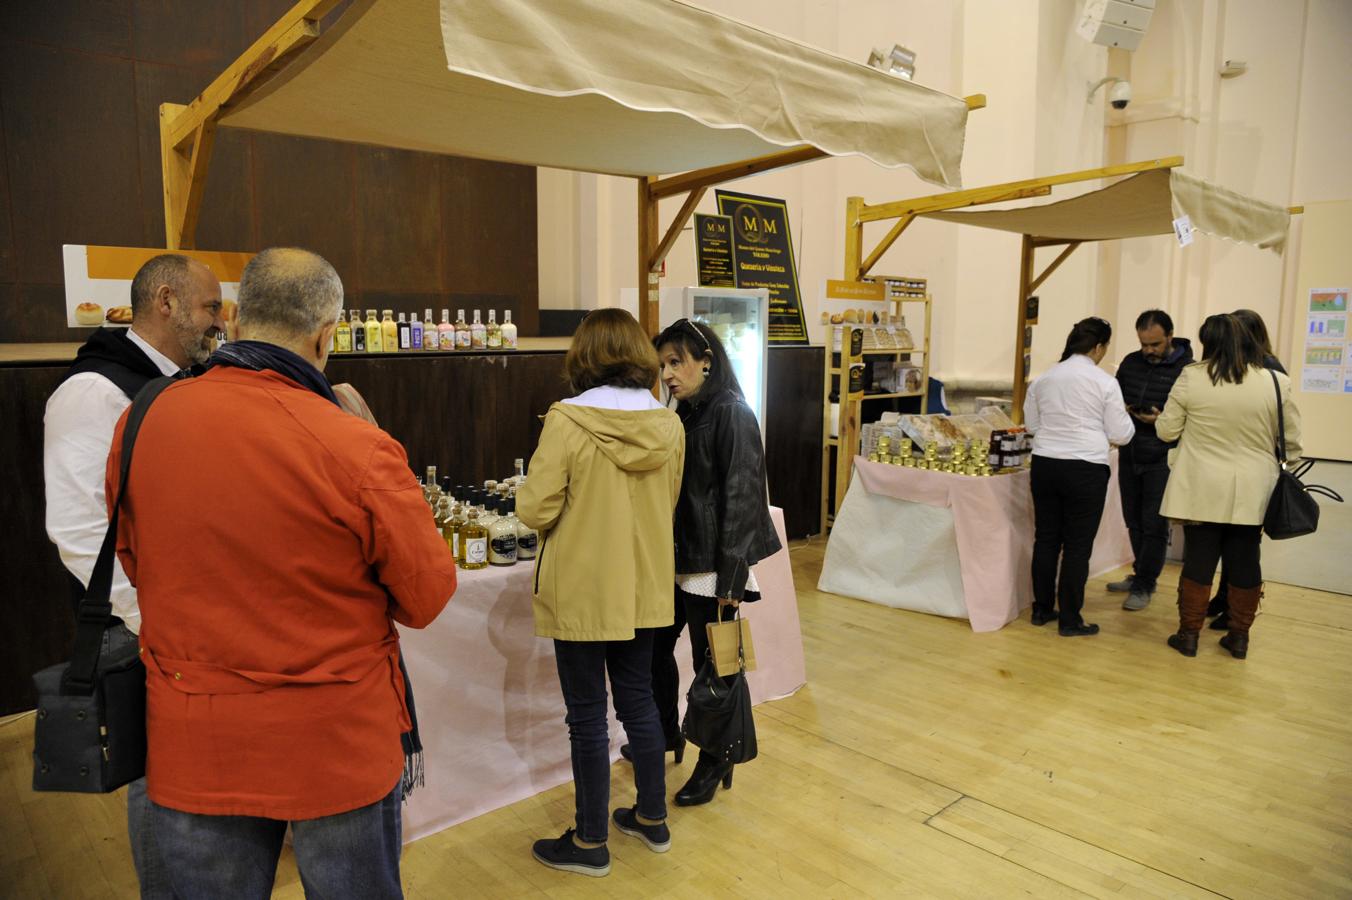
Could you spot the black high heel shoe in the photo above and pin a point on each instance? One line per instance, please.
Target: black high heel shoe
(678, 749)
(703, 784)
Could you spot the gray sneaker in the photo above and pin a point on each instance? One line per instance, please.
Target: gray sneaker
(1120, 587)
(1137, 600)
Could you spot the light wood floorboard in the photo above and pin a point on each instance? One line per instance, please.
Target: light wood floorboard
(921, 760)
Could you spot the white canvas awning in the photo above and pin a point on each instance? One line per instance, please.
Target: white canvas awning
(638, 87)
(1144, 204)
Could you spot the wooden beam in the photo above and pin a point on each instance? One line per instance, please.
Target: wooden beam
(1295, 210)
(975, 101)
(885, 244)
(957, 199)
(674, 230)
(854, 238)
(183, 171)
(648, 282)
(1025, 280)
(1061, 257)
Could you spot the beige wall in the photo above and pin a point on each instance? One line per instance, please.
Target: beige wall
(1276, 132)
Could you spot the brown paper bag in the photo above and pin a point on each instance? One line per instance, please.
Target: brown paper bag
(723, 645)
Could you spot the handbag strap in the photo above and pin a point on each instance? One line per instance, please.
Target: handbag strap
(91, 619)
(1281, 421)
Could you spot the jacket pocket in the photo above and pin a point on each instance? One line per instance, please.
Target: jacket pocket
(540, 562)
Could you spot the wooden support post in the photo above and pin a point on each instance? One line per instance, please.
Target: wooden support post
(1055, 264)
(674, 229)
(884, 245)
(854, 238)
(183, 170)
(648, 281)
(1025, 280)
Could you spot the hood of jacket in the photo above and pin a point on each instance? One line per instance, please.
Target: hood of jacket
(634, 440)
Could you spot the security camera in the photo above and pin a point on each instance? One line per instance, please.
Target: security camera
(1120, 94)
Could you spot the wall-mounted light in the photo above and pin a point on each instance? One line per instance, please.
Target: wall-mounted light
(899, 61)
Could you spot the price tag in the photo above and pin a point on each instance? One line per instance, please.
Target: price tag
(1183, 230)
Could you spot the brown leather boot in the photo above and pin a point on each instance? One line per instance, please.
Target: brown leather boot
(1193, 597)
(1243, 608)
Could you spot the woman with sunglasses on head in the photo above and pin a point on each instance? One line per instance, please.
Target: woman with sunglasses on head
(1075, 413)
(722, 524)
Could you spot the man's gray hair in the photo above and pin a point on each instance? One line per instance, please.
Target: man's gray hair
(167, 268)
(289, 291)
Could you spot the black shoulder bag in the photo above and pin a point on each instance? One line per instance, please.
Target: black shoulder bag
(90, 734)
(1291, 511)
(718, 714)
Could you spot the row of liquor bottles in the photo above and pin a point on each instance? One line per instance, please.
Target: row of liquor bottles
(480, 525)
(353, 335)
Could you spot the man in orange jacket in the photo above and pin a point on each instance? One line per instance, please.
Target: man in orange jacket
(269, 590)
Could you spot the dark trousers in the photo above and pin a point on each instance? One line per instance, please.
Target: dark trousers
(700, 611)
(666, 676)
(1142, 491)
(1238, 545)
(1068, 497)
(582, 676)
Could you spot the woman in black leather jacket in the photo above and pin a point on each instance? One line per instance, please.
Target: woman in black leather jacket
(723, 524)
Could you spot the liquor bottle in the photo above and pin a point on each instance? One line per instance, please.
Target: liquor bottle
(488, 509)
(520, 476)
(430, 489)
(446, 332)
(474, 543)
(415, 331)
(405, 333)
(375, 342)
(358, 332)
(478, 335)
(493, 337)
(342, 335)
(333, 341)
(446, 524)
(508, 331)
(502, 536)
(389, 331)
(429, 335)
(462, 335)
(527, 538)
(459, 518)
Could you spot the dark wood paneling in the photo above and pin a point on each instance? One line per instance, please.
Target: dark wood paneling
(36, 596)
(9, 271)
(96, 26)
(71, 153)
(197, 35)
(793, 436)
(31, 312)
(305, 198)
(398, 220)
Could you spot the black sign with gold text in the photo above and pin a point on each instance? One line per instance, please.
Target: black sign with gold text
(763, 253)
(713, 251)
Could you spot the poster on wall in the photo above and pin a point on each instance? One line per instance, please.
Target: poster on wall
(98, 280)
(763, 256)
(713, 251)
(1327, 361)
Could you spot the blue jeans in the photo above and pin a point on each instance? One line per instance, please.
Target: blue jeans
(353, 854)
(582, 675)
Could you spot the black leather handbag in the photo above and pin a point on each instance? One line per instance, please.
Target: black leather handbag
(718, 713)
(90, 733)
(1292, 511)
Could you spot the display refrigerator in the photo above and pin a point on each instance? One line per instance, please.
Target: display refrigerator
(739, 316)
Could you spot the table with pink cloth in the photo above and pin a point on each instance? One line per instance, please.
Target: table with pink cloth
(953, 545)
(489, 707)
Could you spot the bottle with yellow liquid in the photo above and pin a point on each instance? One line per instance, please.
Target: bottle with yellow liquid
(445, 523)
(389, 331)
(474, 543)
(374, 342)
(342, 336)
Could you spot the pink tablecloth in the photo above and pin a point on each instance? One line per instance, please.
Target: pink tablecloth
(488, 699)
(993, 526)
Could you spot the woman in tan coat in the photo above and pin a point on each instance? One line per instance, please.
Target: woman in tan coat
(1223, 413)
(602, 489)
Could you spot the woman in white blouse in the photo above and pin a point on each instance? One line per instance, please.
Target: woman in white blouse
(1074, 412)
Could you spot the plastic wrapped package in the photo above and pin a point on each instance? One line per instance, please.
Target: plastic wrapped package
(973, 427)
(996, 418)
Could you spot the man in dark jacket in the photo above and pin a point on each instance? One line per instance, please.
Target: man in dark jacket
(1146, 377)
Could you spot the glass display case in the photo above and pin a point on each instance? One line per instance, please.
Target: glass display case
(740, 318)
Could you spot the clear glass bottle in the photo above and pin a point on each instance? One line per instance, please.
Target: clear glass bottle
(520, 475)
(463, 338)
(527, 538)
(502, 536)
(478, 335)
(445, 332)
(358, 332)
(493, 333)
(474, 543)
(446, 524)
(415, 332)
(429, 338)
(389, 331)
(508, 331)
(430, 489)
(488, 509)
(342, 335)
(375, 341)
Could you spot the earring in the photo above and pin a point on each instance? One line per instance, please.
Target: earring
(706, 371)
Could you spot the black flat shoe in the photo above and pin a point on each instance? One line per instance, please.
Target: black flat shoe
(1081, 630)
(703, 784)
(1221, 622)
(1042, 618)
(678, 749)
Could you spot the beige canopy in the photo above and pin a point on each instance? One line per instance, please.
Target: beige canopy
(1144, 204)
(639, 87)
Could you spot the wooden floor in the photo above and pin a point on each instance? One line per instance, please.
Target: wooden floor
(924, 760)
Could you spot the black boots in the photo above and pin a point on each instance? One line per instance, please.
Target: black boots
(703, 783)
(678, 748)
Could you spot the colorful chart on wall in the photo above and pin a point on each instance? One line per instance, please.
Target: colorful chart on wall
(763, 252)
(98, 280)
(1327, 353)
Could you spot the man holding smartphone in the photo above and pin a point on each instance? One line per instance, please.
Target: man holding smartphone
(1146, 376)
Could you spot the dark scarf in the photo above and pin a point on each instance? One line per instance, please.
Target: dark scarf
(262, 357)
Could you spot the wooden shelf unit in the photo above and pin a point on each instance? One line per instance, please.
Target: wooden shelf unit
(848, 415)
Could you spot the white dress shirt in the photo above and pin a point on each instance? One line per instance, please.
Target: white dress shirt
(77, 434)
(1075, 411)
